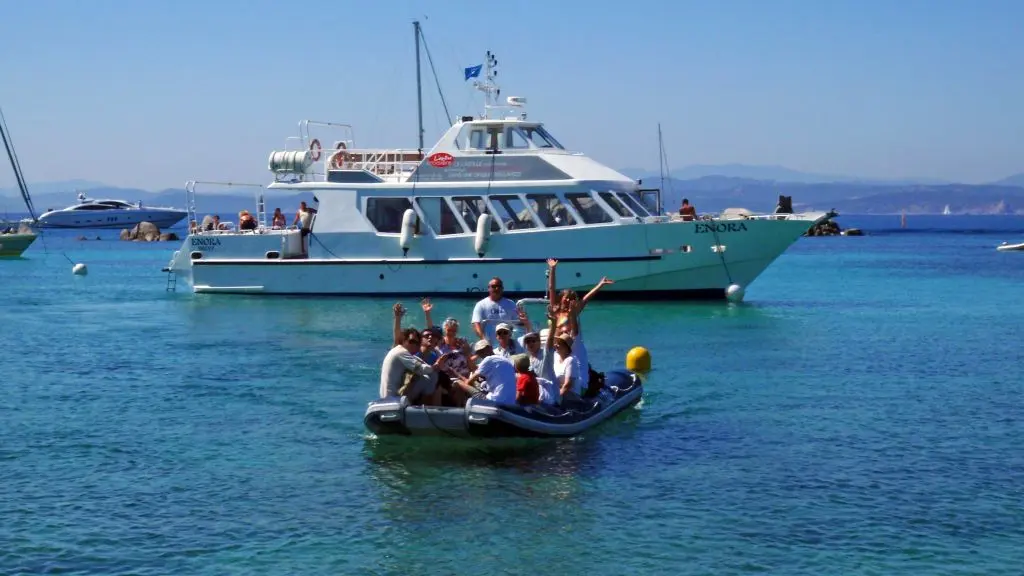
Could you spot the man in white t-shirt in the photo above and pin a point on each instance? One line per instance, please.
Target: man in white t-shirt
(498, 375)
(492, 310)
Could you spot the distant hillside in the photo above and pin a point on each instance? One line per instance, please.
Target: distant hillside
(717, 193)
(767, 173)
(227, 202)
(1015, 180)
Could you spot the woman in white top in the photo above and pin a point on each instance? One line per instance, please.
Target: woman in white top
(568, 375)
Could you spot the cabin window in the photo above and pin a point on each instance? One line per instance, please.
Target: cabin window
(634, 202)
(513, 212)
(386, 213)
(477, 139)
(471, 207)
(649, 199)
(92, 207)
(616, 204)
(550, 210)
(516, 140)
(440, 216)
(589, 209)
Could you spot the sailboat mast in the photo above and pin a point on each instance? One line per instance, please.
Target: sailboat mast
(419, 85)
(15, 167)
(661, 166)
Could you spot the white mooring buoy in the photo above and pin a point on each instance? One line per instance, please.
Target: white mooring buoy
(79, 269)
(734, 293)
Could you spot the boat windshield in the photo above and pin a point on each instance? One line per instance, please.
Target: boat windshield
(538, 136)
(507, 137)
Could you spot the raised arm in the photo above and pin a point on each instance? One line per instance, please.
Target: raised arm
(427, 307)
(593, 291)
(399, 312)
(524, 319)
(551, 280)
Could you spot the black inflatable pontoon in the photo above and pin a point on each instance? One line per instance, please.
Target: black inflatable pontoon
(485, 419)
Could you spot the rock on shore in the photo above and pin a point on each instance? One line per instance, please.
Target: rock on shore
(830, 228)
(147, 232)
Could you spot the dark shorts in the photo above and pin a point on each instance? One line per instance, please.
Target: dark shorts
(305, 232)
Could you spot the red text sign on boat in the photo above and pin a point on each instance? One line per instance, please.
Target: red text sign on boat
(441, 160)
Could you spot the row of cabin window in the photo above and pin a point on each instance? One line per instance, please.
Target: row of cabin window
(386, 213)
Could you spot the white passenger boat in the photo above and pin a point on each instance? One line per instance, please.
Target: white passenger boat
(497, 195)
(107, 213)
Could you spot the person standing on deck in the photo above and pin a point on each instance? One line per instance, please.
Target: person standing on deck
(492, 310)
(304, 218)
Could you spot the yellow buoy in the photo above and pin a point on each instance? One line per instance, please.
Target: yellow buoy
(638, 360)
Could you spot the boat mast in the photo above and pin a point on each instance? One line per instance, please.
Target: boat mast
(419, 85)
(661, 166)
(13, 158)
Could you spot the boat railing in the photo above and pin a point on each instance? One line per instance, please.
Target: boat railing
(386, 163)
(194, 223)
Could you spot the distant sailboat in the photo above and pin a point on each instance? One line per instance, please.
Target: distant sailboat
(945, 211)
(15, 238)
(903, 219)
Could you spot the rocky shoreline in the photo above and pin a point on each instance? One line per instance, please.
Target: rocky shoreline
(147, 232)
(831, 228)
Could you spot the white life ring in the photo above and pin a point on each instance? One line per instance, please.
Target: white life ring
(314, 148)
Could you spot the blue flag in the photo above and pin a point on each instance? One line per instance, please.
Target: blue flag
(473, 71)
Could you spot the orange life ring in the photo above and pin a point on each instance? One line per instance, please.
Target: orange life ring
(314, 147)
(338, 160)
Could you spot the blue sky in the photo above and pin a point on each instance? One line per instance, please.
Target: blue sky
(149, 94)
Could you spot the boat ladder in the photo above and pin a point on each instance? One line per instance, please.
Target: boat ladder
(172, 281)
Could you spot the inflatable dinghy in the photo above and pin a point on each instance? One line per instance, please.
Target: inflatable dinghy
(1004, 247)
(485, 419)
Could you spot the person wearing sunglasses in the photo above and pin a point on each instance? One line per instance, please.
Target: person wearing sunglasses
(405, 374)
(492, 310)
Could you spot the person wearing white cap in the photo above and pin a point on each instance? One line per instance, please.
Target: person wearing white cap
(507, 346)
(497, 373)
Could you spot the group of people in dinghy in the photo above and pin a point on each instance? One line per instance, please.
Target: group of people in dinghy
(437, 367)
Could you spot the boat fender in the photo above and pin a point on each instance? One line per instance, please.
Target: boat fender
(314, 148)
(483, 234)
(408, 230)
(79, 269)
(734, 293)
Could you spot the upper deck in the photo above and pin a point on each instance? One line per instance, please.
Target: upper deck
(506, 152)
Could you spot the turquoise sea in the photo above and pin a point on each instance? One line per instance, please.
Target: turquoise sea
(861, 413)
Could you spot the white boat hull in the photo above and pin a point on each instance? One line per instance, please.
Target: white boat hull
(110, 219)
(669, 260)
(1011, 247)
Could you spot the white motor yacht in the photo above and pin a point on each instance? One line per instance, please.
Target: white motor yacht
(105, 213)
(497, 195)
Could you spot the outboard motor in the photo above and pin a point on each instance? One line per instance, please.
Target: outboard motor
(785, 205)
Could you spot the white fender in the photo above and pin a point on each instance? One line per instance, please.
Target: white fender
(408, 229)
(483, 234)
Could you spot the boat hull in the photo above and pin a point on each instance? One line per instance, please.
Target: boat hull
(485, 419)
(1011, 247)
(110, 219)
(13, 245)
(674, 260)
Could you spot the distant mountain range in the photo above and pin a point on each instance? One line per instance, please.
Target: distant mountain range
(710, 188)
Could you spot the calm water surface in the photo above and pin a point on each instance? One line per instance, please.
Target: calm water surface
(859, 414)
